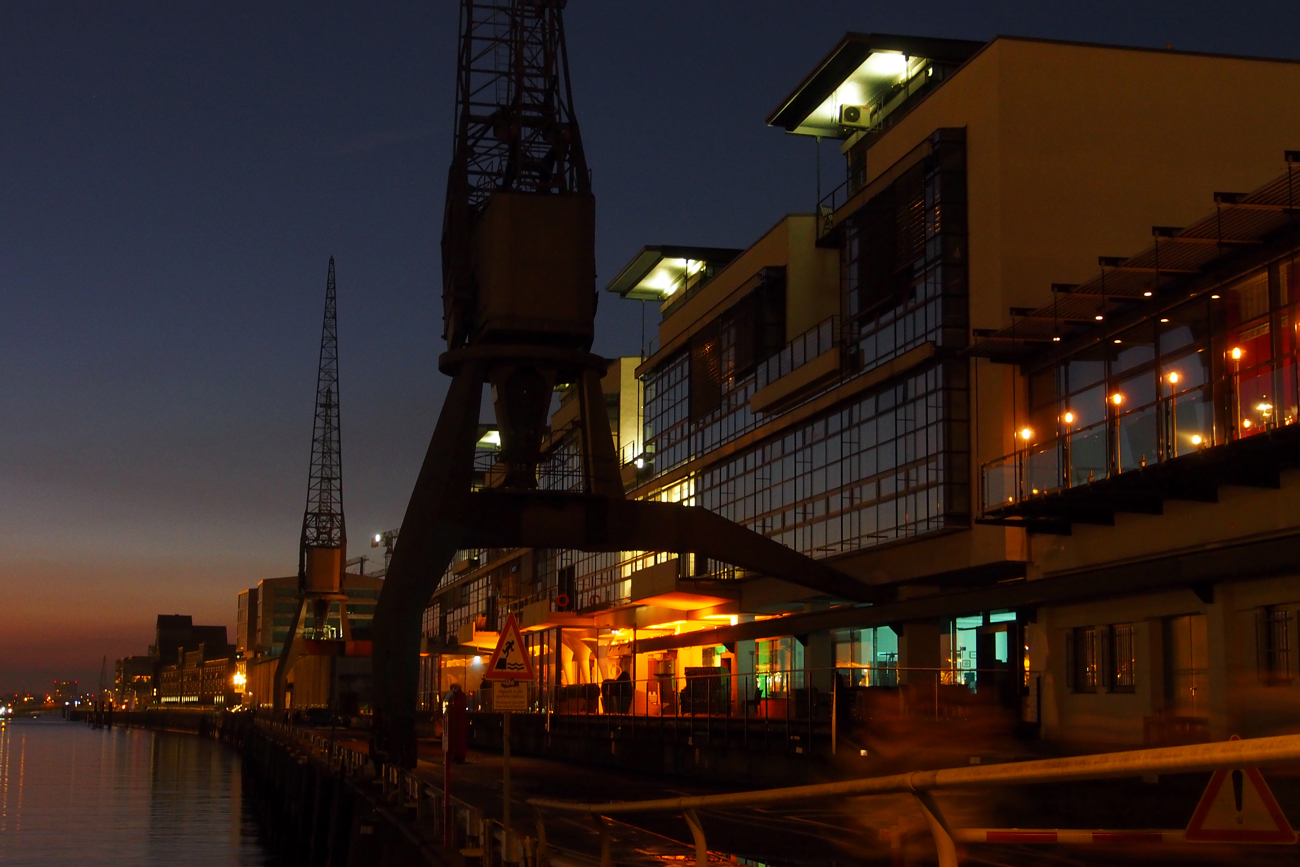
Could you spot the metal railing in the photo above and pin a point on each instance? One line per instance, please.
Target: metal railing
(920, 784)
(812, 344)
(1190, 413)
(801, 711)
(1126, 439)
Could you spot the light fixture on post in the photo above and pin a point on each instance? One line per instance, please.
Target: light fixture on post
(1171, 415)
(1235, 354)
(1067, 469)
(1025, 435)
(1116, 401)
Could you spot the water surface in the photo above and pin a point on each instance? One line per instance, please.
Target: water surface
(73, 795)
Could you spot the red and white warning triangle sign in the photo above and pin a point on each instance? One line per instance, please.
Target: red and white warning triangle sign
(1238, 807)
(510, 661)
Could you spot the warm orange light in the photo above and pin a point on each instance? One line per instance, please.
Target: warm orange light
(1245, 423)
(1236, 353)
(1069, 418)
(1117, 398)
(1026, 433)
(1196, 440)
(1173, 378)
(1099, 317)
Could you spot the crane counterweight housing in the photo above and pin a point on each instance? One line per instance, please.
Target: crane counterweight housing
(535, 270)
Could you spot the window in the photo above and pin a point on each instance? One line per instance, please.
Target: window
(1122, 662)
(1273, 638)
(1081, 659)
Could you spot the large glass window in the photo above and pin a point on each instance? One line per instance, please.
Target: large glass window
(1081, 659)
(890, 465)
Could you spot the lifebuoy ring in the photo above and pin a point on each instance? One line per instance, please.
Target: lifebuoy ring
(562, 601)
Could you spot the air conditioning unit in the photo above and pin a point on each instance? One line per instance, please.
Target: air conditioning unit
(857, 116)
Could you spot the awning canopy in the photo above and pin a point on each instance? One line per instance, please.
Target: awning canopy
(657, 272)
(861, 71)
(1154, 277)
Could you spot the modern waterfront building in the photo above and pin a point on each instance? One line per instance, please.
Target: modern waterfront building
(1029, 373)
(246, 622)
(334, 664)
(272, 603)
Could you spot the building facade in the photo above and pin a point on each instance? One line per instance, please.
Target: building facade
(1029, 373)
(203, 677)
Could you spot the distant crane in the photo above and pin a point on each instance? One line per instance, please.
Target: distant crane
(387, 539)
(322, 547)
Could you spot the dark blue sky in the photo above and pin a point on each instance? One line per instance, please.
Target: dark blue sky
(174, 177)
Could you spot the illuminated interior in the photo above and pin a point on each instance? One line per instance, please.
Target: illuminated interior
(665, 274)
(880, 85)
(865, 79)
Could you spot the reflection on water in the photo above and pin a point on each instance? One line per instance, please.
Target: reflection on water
(73, 795)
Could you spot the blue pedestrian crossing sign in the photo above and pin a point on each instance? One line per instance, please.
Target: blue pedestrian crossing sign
(510, 660)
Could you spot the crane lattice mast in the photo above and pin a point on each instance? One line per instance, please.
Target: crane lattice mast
(515, 130)
(322, 522)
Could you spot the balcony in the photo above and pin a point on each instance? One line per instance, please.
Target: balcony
(1182, 446)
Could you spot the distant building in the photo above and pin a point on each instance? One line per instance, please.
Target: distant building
(335, 667)
(246, 623)
(176, 634)
(202, 677)
(65, 691)
(133, 683)
(276, 601)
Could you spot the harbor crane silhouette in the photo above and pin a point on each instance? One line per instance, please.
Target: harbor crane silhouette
(519, 304)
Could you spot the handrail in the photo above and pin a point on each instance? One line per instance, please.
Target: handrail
(1163, 760)
(1166, 760)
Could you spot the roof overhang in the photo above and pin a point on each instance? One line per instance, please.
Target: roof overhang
(657, 272)
(859, 71)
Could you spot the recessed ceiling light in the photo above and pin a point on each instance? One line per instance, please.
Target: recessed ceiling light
(1098, 317)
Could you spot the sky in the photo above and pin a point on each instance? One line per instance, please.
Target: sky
(174, 178)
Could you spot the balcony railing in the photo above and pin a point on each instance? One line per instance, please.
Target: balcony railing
(1130, 439)
(813, 343)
